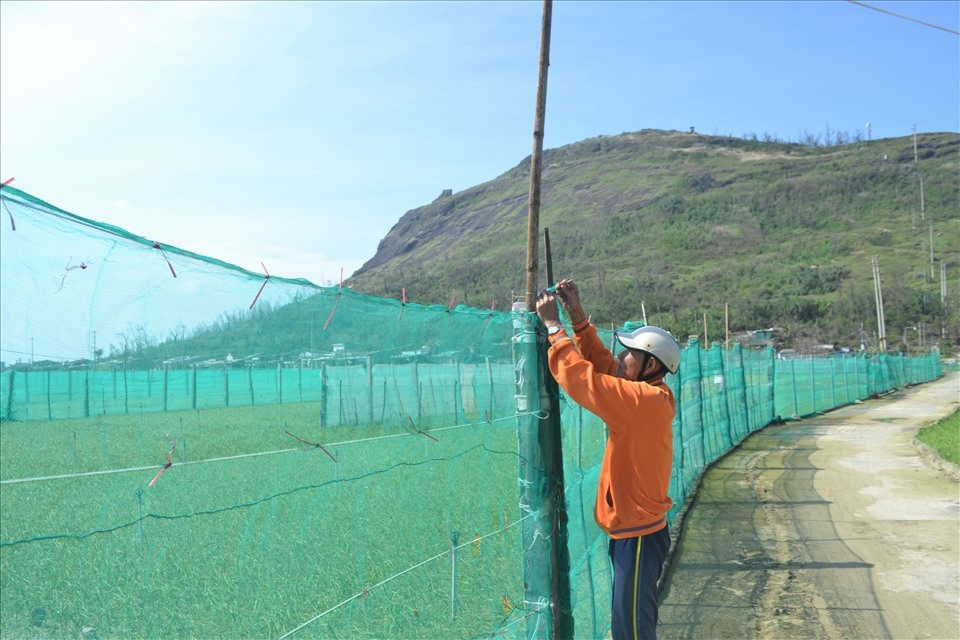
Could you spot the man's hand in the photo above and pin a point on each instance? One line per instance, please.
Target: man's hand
(570, 299)
(547, 309)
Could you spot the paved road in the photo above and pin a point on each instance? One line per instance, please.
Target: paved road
(831, 527)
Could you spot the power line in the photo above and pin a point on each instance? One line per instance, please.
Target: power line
(926, 24)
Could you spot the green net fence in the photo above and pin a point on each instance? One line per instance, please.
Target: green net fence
(189, 449)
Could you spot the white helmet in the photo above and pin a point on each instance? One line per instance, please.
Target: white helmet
(654, 341)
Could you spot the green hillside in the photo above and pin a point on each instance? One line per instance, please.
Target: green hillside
(783, 233)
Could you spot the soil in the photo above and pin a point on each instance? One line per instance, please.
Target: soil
(837, 526)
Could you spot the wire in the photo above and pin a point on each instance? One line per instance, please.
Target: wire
(367, 590)
(104, 472)
(269, 498)
(897, 15)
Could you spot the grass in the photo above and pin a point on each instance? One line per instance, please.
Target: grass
(228, 544)
(944, 437)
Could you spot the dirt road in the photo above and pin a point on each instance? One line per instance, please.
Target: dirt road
(832, 527)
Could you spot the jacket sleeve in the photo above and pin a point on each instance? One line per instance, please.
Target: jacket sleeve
(616, 401)
(593, 349)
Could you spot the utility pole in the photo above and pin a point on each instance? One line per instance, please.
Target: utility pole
(914, 144)
(931, 253)
(878, 294)
(943, 300)
(923, 208)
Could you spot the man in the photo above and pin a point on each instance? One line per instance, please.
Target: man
(628, 393)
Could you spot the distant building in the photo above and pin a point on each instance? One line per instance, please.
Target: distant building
(760, 338)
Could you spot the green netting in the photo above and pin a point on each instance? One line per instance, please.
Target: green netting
(189, 449)
(339, 465)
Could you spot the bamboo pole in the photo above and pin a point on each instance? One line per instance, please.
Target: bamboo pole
(546, 559)
(726, 323)
(536, 159)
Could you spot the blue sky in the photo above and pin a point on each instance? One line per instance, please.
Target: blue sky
(298, 133)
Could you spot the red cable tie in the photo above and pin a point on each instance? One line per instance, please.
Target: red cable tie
(7, 181)
(403, 303)
(423, 433)
(169, 464)
(315, 445)
(487, 321)
(156, 245)
(339, 293)
(453, 301)
(265, 280)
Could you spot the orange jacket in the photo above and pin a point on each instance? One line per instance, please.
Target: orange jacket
(635, 475)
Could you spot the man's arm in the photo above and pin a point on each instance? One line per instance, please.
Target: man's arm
(593, 349)
(616, 401)
(587, 340)
(569, 295)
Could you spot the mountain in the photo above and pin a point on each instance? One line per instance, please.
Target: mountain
(781, 234)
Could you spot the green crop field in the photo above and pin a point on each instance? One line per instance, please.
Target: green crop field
(251, 533)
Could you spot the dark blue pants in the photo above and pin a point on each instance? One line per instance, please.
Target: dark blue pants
(637, 563)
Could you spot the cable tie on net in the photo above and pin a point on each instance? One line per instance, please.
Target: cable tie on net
(334, 310)
(156, 245)
(265, 281)
(489, 315)
(537, 534)
(403, 303)
(315, 445)
(540, 604)
(423, 433)
(453, 301)
(169, 464)
(70, 267)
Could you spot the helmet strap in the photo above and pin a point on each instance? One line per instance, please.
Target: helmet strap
(655, 377)
(643, 365)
